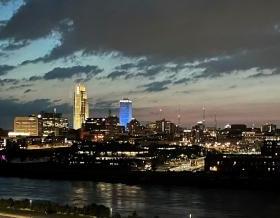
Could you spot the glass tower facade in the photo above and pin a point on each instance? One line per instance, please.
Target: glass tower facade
(125, 112)
(81, 110)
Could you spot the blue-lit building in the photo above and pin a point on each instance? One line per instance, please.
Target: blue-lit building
(125, 112)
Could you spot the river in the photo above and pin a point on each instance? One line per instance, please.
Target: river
(149, 200)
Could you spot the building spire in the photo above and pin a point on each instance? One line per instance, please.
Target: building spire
(179, 116)
(215, 122)
(203, 114)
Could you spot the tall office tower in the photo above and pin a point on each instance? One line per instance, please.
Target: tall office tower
(125, 112)
(81, 110)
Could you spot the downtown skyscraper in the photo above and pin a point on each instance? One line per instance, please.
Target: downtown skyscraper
(125, 112)
(81, 109)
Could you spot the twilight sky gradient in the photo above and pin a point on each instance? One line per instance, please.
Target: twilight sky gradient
(169, 54)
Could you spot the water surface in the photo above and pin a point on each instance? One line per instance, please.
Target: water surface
(149, 200)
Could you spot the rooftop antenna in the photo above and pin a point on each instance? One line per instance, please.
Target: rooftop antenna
(160, 113)
(203, 116)
(54, 112)
(179, 116)
(215, 121)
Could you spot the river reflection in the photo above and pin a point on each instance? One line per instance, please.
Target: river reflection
(148, 200)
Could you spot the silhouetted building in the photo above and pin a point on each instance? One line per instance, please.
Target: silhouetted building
(238, 127)
(233, 132)
(135, 128)
(3, 133)
(269, 128)
(165, 126)
(101, 129)
(251, 136)
(236, 164)
(271, 148)
(198, 132)
(152, 127)
(266, 163)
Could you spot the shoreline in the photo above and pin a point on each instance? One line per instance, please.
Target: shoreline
(9, 215)
(25, 208)
(199, 179)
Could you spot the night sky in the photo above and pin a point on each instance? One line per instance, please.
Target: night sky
(178, 55)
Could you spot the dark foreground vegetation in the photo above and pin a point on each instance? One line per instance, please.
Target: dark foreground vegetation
(50, 208)
(42, 208)
(47, 208)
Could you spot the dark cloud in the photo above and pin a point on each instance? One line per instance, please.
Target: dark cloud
(3, 54)
(233, 87)
(57, 100)
(12, 45)
(4, 69)
(101, 104)
(162, 29)
(260, 59)
(193, 91)
(127, 66)
(262, 74)
(157, 86)
(61, 73)
(27, 91)
(144, 68)
(2, 24)
(13, 107)
(4, 2)
(36, 60)
(64, 73)
(4, 82)
(183, 80)
(116, 74)
(21, 86)
(36, 16)
(103, 107)
(35, 78)
(152, 71)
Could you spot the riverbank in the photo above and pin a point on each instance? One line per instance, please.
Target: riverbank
(38, 208)
(10, 208)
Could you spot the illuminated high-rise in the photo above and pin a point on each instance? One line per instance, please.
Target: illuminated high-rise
(125, 112)
(81, 110)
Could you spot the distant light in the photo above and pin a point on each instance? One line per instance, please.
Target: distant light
(228, 126)
(14, 134)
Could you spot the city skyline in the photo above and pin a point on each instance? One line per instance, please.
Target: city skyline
(116, 51)
(124, 111)
(139, 108)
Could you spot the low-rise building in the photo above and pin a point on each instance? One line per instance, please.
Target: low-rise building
(30, 126)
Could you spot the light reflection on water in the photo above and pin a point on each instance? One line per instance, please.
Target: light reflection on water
(148, 200)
